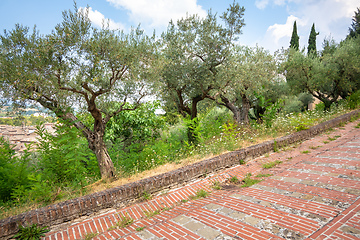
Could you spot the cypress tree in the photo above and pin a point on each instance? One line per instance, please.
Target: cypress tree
(312, 40)
(354, 30)
(294, 42)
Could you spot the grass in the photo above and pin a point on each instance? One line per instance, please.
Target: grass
(216, 185)
(124, 222)
(199, 194)
(325, 142)
(305, 152)
(234, 179)
(271, 164)
(275, 147)
(146, 196)
(314, 147)
(150, 214)
(358, 125)
(139, 229)
(263, 175)
(248, 181)
(90, 236)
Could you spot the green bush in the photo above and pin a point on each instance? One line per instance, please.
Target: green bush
(353, 101)
(62, 161)
(14, 171)
(33, 232)
(64, 157)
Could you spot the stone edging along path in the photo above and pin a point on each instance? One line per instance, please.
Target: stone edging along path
(123, 195)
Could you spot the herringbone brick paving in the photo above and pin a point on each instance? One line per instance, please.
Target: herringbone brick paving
(313, 194)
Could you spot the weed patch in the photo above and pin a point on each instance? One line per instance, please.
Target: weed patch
(216, 185)
(122, 223)
(271, 164)
(150, 214)
(200, 194)
(248, 181)
(234, 180)
(91, 235)
(263, 175)
(31, 232)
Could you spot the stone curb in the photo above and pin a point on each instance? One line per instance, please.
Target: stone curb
(123, 195)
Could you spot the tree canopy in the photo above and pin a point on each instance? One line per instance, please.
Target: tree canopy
(195, 49)
(248, 72)
(294, 41)
(78, 67)
(354, 29)
(334, 75)
(312, 40)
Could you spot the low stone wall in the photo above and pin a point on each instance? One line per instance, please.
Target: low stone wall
(122, 195)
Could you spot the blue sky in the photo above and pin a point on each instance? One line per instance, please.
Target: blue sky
(268, 22)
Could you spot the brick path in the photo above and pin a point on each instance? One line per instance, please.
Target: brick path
(313, 194)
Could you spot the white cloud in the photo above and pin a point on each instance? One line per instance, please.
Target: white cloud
(278, 31)
(261, 4)
(158, 13)
(98, 19)
(331, 17)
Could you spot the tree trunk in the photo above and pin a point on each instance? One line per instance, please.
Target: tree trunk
(237, 112)
(192, 134)
(245, 109)
(97, 145)
(105, 164)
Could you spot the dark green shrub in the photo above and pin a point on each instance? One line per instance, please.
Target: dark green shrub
(33, 232)
(14, 171)
(353, 101)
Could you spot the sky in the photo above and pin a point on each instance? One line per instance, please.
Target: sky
(269, 23)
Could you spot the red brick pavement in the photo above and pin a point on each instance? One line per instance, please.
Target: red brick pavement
(308, 196)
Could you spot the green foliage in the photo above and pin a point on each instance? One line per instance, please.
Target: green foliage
(123, 222)
(150, 214)
(234, 179)
(78, 65)
(91, 235)
(212, 122)
(271, 113)
(138, 127)
(193, 130)
(146, 196)
(271, 164)
(196, 49)
(216, 185)
(302, 122)
(294, 42)
(354, 30)
(15, 172)
(64, 157)
(263, 175)
(63, 164)
(33, 232)
(248, 181)
(200, 194)
(312, 41)
(353, 101)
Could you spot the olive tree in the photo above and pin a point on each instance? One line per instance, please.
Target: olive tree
(334, 75)
(248, 72)
(79, 67)
(195, 49)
